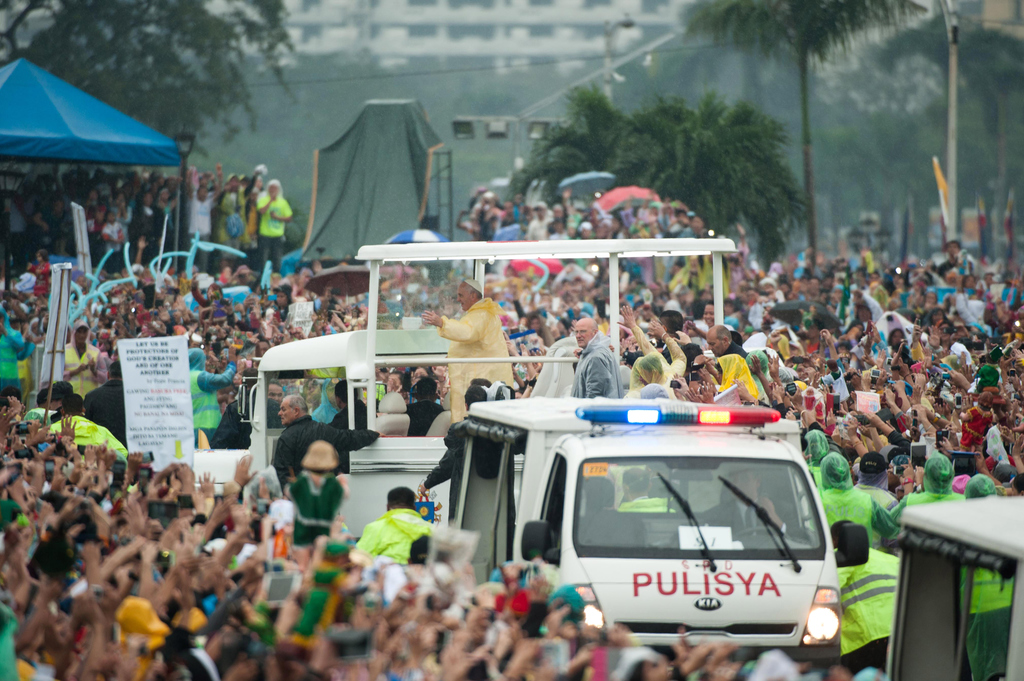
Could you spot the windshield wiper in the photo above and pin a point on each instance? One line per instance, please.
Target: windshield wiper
(769, 524)
(683, 504)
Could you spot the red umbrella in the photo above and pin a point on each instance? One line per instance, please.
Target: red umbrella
(524, 266)
(614, 198)
(350, 280)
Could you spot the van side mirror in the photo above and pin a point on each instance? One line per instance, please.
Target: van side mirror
(852, 545)
(538, 542)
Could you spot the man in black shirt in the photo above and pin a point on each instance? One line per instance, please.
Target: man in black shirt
(340, 420)
(301, 431)
(424, 409)
(105, 405)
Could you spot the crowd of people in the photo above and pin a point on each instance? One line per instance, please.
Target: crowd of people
(905, 379)
(488, 218)
(247, 212)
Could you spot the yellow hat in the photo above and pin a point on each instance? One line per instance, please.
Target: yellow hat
(136, 616)
(320, 457)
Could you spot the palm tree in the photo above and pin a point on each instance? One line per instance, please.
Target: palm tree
(726, 162)
(807, 31)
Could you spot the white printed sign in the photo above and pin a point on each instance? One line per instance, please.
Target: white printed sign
(867, 403)
(158, 399)
(301, 315)
(716, 537)
(81, 239)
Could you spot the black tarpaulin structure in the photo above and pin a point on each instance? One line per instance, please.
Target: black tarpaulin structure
(371, 182)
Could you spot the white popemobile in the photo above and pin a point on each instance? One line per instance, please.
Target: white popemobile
(664, 514)
(304, 367)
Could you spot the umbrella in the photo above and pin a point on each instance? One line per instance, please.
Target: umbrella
(791, 311)
(587, 183)
(350, 280)
(417, 236)
(619, 196)
(825, 319)
(524, 266)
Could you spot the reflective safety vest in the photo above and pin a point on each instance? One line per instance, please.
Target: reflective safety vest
(393, 533)
(991, 592)
(849, 504)
(646, 505)
(868, 597)
(988, 628)
(205, 410)
(816, 474)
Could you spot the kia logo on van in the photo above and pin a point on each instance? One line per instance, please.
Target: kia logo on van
(708, 603)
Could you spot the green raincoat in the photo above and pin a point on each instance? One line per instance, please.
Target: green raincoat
(763, 359)
(938, 486)
(988, 625)
(817, 449)
(843, 502)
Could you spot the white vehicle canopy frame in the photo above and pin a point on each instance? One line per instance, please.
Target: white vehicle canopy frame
(484, 252)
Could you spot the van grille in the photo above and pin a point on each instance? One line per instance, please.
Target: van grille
(744, 629)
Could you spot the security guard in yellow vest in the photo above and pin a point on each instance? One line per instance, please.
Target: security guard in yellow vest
(988, 625)
(636, 484)
(868, 597)
(205, 410)
(393, 533)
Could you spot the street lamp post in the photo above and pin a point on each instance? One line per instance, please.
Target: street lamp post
(609, 37)
(953, 34)
(184, 141)
(10, 183)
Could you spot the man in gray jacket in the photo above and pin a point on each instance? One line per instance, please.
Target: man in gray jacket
(597, 373)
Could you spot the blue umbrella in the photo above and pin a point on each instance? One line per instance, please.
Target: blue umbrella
(417, 236)
(587, 183)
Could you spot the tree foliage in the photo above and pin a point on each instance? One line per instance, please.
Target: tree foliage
(805, 31)
(726, 162)
(171, 64)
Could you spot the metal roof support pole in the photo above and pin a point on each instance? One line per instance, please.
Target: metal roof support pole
(479, 272)
(371, 343)
(716, 271)
(613, 301)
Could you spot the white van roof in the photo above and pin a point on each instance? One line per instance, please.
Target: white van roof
(992, 523)
(559, 414)
(562, 249)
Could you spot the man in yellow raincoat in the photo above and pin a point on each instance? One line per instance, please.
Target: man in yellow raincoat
(477, 334)
(87, 432)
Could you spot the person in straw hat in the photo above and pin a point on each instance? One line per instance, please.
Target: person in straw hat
(317, 494)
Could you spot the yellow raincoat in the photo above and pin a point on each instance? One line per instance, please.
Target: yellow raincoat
(735, 370)
(477, 334)
(662, 372)
(89, 433)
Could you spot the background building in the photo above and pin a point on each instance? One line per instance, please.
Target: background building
(510, 32)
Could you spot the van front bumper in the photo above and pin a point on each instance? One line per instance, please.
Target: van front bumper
(820, 657)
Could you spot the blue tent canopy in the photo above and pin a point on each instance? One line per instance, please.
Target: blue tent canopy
(45, 118)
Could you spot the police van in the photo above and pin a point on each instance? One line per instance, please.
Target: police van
(663, 514)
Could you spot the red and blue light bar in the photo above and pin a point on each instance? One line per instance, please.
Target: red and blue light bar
(682, 413)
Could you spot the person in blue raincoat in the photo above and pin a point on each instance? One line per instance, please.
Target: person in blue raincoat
(11, 343)
(205, 410)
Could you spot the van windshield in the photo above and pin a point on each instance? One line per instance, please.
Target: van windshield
(624, 510)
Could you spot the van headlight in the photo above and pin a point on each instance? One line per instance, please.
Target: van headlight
(823, 619)
(592, 616)
(592, 613)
